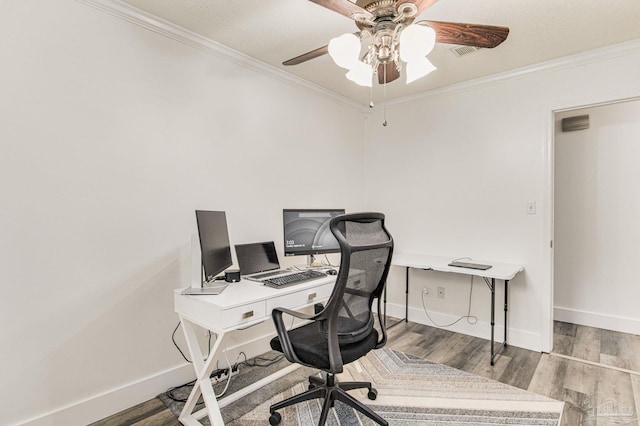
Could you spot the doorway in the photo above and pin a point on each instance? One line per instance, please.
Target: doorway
(595, 217)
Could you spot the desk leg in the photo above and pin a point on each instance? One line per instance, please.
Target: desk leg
(506, 306)
(202, 385)
(406, 302)
(406, 295)
(493, 316)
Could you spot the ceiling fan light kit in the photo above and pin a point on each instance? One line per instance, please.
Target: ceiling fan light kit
(361, 74)
(394, 39)
(408, 44)
(345, 50)
(419, 68)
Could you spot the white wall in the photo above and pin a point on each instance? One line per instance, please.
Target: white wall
(112, 135)
(597, 206)
(455, 168)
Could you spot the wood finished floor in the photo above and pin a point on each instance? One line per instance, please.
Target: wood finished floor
(593, 395)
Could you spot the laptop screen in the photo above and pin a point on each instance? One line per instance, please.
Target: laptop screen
(257, 257)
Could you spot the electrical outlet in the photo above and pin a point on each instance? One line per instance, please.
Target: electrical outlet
(426, 291)
(440, 292)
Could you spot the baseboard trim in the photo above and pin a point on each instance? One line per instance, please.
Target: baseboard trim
(482, 329)
(113, 401)
(107, 403)
(598, 320)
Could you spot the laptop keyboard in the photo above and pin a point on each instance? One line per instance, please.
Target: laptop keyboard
(295, 278)
(268, 274)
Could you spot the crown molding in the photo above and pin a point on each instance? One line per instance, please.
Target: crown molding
(170, 30)
(146, 20)
(578, 59)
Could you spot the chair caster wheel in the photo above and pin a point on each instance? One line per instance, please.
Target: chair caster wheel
(372, 394)
(275, 418)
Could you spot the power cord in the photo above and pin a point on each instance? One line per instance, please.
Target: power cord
(230, 368)
(471, 319)
(170, 391)
(256, 360)
(228, 375)
(171, 396)
(173, 339)
(460, 258)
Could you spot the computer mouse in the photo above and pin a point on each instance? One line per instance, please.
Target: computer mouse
(331, 272)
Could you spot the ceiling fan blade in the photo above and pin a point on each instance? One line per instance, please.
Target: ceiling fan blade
(477, 35)
(392, 72)
(421, 4)
(307, 56)
(344, 7)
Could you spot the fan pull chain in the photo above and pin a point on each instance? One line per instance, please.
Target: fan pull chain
(371, 96)
(384, 101)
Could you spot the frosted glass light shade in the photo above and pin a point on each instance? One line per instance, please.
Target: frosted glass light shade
(418, 68)
(361, 74)
(345, 50)
(416, 41)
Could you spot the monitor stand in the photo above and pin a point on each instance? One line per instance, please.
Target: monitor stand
(312, 262)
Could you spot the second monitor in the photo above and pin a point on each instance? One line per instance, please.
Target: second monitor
(306, 232)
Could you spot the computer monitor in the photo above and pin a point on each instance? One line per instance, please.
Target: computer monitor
(214, 242)
(306, 232)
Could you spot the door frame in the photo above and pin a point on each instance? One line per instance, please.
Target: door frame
(550, 111)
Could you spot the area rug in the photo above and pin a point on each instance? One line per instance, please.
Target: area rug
(413, 391)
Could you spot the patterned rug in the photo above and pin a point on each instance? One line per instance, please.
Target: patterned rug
(415, 391)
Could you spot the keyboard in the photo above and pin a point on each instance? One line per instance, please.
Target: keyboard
(295, 278)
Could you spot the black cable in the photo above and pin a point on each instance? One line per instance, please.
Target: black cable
(173, 338)
(255, 362)
(173, 398)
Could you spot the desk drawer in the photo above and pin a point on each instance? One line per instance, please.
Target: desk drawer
(301, 298)
(243, 314)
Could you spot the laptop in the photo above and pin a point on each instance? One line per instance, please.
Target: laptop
(469, 265)
(259, 261)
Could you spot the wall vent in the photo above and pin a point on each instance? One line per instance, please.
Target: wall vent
(579, 122)
(460, 51)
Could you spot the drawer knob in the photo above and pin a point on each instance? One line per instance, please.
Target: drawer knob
(312, 296)
(247, 315)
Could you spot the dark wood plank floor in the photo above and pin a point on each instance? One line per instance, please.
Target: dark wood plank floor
(593, 394)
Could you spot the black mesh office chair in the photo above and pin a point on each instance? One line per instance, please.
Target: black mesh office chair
(344, 330)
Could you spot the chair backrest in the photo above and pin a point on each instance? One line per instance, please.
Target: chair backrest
(366, 248)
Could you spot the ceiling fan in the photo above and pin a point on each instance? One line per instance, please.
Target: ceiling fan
(394, 39)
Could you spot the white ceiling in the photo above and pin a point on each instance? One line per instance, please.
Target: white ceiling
(273, 31)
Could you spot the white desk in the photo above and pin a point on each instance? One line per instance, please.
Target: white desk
(498, 271)
(241, 305)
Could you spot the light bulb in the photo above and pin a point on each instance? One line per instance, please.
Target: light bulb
(416, 41)
(418, 68)
(361, 74)
(345, 50)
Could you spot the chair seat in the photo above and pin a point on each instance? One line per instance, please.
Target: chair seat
(313, 350)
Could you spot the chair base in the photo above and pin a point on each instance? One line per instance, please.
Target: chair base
(329, 390)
